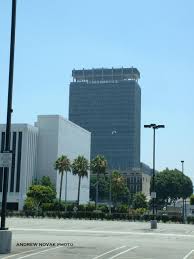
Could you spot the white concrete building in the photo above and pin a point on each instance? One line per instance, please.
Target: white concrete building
(59, 136)
(36, 148)
(24, 146)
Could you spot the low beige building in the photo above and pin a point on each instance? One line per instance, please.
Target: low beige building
(138, 181)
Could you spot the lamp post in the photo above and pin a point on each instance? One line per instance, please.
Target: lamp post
(5, 235)
(183, 209)
(110, 191)
(110, 181)
(153, 193)
(9, 111)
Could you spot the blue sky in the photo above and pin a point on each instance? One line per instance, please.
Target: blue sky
(156, 36)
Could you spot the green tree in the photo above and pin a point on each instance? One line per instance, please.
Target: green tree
(30, 204)
(103, 187)
(38, 194)
(171, 185)
(121, 195)
(187, 187)
(98, 166)
(119, 189)
(139, 201)
(80, 168)
(63, 164)
(46, 181)
(192, 199)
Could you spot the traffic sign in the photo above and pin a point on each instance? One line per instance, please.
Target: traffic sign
(5, 159)
(153, 195)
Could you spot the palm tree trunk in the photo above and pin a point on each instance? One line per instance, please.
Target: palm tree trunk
(66, 192)
(97, 190)
(61, 183)
(78, 195)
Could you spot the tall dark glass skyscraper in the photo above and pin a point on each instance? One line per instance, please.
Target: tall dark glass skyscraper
(107, 102)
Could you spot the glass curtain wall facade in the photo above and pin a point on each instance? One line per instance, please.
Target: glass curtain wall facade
(107, 102)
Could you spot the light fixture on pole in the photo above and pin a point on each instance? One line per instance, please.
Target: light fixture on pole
(153, 193)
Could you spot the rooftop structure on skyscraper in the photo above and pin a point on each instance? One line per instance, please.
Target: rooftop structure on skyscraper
(105, 75)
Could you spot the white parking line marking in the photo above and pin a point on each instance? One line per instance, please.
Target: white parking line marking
(130, 249)
(43, 251)
(108, 252)
(161, 230)
(187, 255)
(102, 232)
(9, 256)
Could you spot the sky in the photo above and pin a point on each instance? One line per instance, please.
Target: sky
(155, 36)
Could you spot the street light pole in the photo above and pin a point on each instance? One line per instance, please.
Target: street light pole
(110, 181)
(9, 111)
(153, 201)
(153, 193)
(183, 209)
(110, 191)
(97, 181)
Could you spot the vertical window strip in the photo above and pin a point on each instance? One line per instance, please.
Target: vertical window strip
(2, 141)
(36, 154)
(30, 157)
(19, 162)
(27, 160)
(33, 157)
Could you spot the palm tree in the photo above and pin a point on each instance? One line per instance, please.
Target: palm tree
(98, 166)
(80, 168)
(63, 164)
(119, 187)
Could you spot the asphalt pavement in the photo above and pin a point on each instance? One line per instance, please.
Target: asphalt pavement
(85, 239)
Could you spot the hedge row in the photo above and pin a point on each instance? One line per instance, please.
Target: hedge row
(56, 206)
(98, 215)
(190, 220)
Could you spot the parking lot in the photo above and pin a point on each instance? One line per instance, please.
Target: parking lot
(59, 238)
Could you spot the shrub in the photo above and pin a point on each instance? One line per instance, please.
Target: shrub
(103, 208)
(90, 207)
(140, 211)
(122, 208)
(48, 206)
(139, 201)
(29, 204)
(81, 207)
(70, 207)
(190, 220)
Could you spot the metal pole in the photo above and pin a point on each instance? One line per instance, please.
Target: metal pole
(110, 194)
(97, 180)
(183, 209)
(9, 111)
(65, 191)
(153, 201)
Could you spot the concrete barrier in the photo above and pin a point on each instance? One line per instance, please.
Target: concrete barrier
(5, 241)
(153, 224)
